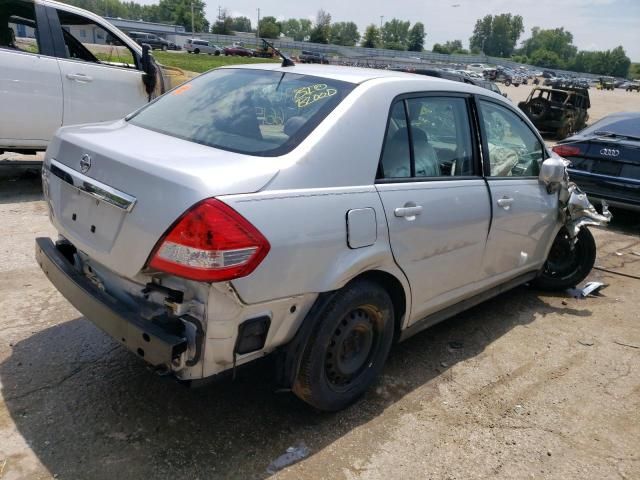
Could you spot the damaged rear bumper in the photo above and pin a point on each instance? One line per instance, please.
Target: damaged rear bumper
(148, 340)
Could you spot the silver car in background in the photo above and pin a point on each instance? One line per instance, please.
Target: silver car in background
(195, 45)
(317, 213)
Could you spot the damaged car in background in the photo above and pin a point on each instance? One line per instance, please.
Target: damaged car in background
(561, 110)
(52, 73)
(310, 212)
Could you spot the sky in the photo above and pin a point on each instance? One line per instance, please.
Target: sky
(595, 24)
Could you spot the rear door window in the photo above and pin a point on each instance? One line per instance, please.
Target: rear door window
(257, 112)
(428, 137)
(18, 30)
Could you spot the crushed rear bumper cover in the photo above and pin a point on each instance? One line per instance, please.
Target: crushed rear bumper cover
(148, 340)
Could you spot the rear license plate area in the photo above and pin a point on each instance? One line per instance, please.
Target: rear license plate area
(92, 221)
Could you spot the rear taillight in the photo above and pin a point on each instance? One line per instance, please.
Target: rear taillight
(567, 150)
(210, 242)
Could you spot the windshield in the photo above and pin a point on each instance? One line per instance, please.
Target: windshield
(619, 125)
(256, 112)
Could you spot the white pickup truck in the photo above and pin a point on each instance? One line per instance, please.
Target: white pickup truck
(62, 65)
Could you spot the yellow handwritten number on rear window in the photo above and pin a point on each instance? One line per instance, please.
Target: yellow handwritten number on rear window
(305, 96)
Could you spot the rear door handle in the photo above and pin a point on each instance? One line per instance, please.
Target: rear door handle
(79, 77)
(411, 211)
(505, 202)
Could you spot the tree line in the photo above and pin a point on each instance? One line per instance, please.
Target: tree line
(493, 35)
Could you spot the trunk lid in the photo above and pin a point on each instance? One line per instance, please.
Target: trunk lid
(138, 182)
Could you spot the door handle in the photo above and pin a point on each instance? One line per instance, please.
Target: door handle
(408, 211)
(505, 202)
(79, 77)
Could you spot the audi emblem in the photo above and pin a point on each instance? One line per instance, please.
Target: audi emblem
(609, 152)
(85, 163)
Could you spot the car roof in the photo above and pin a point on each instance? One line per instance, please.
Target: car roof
(342, 73)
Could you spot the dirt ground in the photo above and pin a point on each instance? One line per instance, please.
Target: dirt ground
(527, 385)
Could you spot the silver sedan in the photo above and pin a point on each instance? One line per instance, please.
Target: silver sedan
(313, 212)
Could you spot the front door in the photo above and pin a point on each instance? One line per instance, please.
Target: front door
(524, 214)
(435, 200)
(99, 74)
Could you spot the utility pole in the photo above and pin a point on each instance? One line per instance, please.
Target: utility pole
(258, 27)
(192, 22)
(381, 18)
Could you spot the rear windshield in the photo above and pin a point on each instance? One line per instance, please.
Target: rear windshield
(621, 125)
(255, 112)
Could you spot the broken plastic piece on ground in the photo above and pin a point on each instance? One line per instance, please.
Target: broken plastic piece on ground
(292, 455)
(588, 289)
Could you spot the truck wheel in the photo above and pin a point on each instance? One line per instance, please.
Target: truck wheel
(566, 267)
(507, 82)
(348, 348)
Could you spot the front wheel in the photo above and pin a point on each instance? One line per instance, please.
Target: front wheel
(566, 266)
(507, 82)
(348, 348)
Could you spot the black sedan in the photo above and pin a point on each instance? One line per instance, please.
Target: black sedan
(605, 159)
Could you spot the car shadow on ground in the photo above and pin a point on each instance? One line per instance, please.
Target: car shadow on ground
(23, 186)
(90, 409)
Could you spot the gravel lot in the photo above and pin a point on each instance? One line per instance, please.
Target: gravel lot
(528, 385)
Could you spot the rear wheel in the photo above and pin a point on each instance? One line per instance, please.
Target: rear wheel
(566, 266)
(348, 348)
(196, 51)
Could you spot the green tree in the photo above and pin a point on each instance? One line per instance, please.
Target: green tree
(298, 29)
(395, 34)
(556, 40)
(497, 35)
(241, 24)
(322, 28)
(223, 24)
(416, 38)
(547, 59)
(269, 27)
(449, 47)
(344, 33)
(371, 38)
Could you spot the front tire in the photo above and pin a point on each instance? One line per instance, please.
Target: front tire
(348, 348)
(566, 267)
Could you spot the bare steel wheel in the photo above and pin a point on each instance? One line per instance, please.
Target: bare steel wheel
(568, 264)
(348, 348)
(353, 342)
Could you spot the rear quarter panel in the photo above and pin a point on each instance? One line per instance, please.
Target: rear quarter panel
(307, 230)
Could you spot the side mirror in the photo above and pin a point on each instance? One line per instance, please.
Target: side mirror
(150, 71)
(552, 171)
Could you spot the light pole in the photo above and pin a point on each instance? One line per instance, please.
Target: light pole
(192, 22)
(381, 18)
(258, 27)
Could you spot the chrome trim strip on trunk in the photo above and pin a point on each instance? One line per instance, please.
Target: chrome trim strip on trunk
(91, 187)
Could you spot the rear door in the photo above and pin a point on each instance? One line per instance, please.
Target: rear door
(100, 75)
(524, 215)
(435, 199)
(30, 84)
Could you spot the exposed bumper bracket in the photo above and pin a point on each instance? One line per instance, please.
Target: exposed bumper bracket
(148, 340)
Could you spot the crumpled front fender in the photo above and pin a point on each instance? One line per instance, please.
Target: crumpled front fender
(576, 210)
